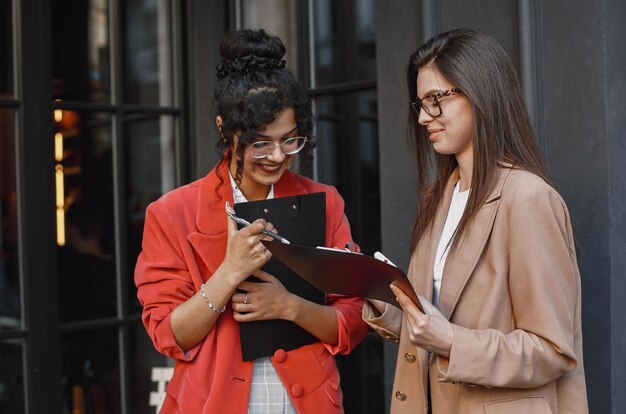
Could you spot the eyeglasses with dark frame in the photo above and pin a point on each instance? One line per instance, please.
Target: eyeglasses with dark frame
(432, 103)
(289, 146)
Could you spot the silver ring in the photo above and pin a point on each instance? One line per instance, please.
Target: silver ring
(245, 299)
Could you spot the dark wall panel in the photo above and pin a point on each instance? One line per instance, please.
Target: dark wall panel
(397, 24)
(496, 17)
(615, 12)
(576, 145)
(208, 21)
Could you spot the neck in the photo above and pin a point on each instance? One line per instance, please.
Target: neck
(251, 190)
(466, 166)
(254, 192)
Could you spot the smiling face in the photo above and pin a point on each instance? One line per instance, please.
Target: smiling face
(259, 174)
(451, 132)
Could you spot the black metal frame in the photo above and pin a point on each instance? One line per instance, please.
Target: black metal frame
(36, 238)
(353, 367)
(41, 329)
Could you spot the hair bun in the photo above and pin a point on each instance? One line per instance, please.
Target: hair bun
(247, 63)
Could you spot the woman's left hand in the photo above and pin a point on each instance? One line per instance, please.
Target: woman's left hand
(261, 301)
(430, 331)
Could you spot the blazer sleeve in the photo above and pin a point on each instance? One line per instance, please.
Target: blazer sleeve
(544, 289)
(387, 324)
(163, 281)
(351, 327)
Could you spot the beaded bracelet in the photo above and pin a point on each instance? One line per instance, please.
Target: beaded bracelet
(208, 302)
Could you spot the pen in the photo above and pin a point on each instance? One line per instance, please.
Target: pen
(243, 222)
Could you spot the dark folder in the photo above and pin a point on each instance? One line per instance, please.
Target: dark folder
(336, 271)
(302, 220)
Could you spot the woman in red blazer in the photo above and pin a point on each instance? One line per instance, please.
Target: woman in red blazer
(194, 259)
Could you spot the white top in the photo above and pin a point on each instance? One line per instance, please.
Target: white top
(267, 392)
(238, 196)
(455, 212)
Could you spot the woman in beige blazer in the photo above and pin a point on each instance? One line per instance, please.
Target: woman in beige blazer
(492, 247)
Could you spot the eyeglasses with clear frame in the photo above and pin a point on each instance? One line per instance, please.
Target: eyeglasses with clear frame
(289, 146)
(432, 103)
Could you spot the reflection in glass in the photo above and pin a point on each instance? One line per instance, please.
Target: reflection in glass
(150, 371)
(328, 149)
(11, 377)
(147, 42)
(10, 314)
(86, 262)
(80, 50)
(278, 18)
(6, 50)
(347, 157)
(345, 41)
(150, 172)
(90, 372)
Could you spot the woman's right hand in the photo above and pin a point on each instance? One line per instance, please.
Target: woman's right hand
(245, 254)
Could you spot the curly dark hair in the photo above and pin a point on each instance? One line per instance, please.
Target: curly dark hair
(253, 88)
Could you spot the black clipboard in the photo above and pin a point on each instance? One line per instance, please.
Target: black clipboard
(300, 219)
(345, 273)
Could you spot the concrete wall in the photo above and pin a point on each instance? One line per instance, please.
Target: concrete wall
(615, 97)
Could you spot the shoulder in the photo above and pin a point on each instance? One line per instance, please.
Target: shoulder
(334, 202)
(312, 186)
(521, 185)
(178, 200)
(526, 192)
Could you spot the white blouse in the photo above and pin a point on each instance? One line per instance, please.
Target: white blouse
(267, 392)
(455, 212)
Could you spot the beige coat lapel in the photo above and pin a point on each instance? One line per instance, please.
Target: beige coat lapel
(425, 254)
(461, 264)
(427, 247)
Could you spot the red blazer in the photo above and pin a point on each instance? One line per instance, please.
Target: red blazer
(184, 242)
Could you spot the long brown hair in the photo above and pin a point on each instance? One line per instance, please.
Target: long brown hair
(476, 64)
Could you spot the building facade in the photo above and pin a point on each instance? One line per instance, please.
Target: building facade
(107, 104)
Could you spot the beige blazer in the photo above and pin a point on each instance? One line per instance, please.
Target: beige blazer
(512, 293)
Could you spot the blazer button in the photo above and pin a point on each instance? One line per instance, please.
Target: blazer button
(410, 358)
(400, 395)
(297, 391)
(280, 355)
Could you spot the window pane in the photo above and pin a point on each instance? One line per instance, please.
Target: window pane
(150, 371)
(9, 275)
(86, 254)
(278, 18)
(347, 157)
(6, 50)
(150, 172)
(90, 372)
(147, 42)
(369, 173)
(80, 50)
(345, 41)
(11, 377)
